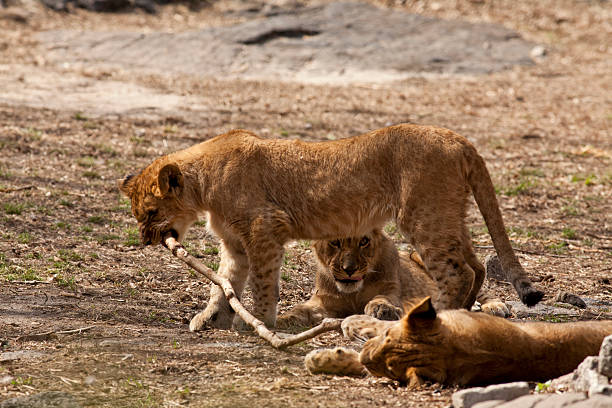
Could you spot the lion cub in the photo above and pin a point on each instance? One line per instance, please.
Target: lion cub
(259, 194)
(368, 275)
(457, 347)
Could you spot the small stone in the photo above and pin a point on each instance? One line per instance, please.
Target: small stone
(605, 357)
(571, 299)
(587, 376)
(538, 52)
(505, 392)
(561, 384)
(494, 268)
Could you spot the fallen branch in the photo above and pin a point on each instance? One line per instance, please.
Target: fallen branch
(12, 189)
(327, 325)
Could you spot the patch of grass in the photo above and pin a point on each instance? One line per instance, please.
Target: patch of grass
(170, 129)
(285, 277)
(140, 153)
(531, 172)
(33, 134)
(211, 250)
(106, 149)
(86, 228)
(213, 265)
(67, 282)
(587, 179)
(66, 203)
(86, 161)
(63, 225)
(133, 237)
(90, 174)
(24, 238)
(44, 210)
(201, 223)
(124, 205)
(522, 187)
(570, 210)
(90, 125)
(80, 116)
(568, 233)
(283, 133)
(96, 219)
(68, 255)
(12, 208)
(558, 247)
(107, 237)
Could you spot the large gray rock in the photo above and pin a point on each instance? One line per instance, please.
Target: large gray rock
(605, 357)
(505, 392)
(336, 41)
(587, 376)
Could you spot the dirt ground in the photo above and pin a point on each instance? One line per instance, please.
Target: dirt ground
(69, 251)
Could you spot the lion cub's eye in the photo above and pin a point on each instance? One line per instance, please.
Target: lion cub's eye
(365, 241)
(335, 243)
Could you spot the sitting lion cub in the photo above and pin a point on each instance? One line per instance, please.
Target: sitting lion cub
(368, 275)
(458, 347)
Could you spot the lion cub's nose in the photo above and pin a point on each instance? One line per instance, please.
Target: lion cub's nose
(349, 267)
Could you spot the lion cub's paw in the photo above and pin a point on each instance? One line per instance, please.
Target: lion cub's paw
(495, 309)
(383, 310)
(210, 317)
(338, 361)
(363, 327)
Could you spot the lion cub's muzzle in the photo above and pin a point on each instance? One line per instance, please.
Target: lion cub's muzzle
(149, 236)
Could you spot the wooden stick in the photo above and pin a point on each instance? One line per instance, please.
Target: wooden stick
(326, 325)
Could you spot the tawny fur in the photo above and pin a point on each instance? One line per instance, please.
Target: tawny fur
(261, 193)
(368, 275)
(457, 347)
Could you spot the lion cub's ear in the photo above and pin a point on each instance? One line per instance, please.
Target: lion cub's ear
(125, 184)
(170, 180)
(421, 315)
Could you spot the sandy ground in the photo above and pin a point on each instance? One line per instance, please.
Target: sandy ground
(69, 251)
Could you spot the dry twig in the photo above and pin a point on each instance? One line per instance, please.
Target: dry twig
(12, 189)
(327, 325)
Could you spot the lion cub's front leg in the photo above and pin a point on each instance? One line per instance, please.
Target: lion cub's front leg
(306, 314)
(234, 266)
(364, 327)
(382, 308)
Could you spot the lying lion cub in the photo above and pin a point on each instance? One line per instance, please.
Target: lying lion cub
(261, 193)
(367, 275)
(457, 347)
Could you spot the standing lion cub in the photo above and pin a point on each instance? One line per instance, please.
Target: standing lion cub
(367, 275)
(260, 193)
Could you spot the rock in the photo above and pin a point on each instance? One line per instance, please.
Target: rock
(552, 313)
(51, 399)
(600, 389)
(57, 5)
(561, 384)
(605, 357)
(335, 42)
(489, 404)
(102, 5)
(587, 376)
(494, 268)
(505, 392)
(559, 400)
(571, 299)
(596, 401)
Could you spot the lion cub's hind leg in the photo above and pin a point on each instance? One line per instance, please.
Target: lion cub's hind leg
(338, 361)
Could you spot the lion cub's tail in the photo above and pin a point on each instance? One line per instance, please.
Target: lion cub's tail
(484, 193)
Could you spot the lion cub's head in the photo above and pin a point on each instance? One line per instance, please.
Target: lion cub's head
(411, 349)
(349, 260)
(158, 201)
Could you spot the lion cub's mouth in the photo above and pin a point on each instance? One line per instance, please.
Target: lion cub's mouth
(350, 280)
